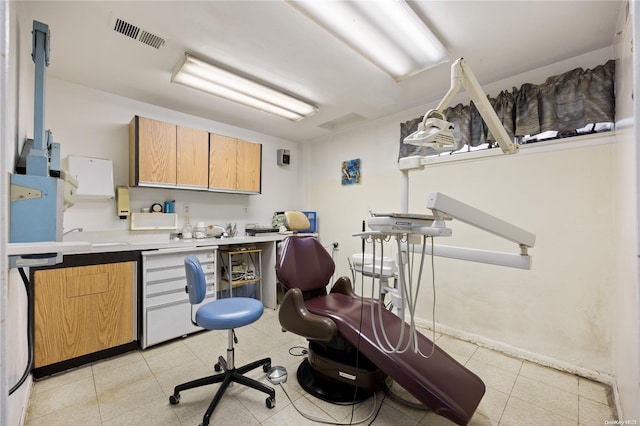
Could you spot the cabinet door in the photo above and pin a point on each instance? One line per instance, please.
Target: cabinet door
(192, 157)
(156, 151)
(81, 310)
(249, 166)
(222, 162)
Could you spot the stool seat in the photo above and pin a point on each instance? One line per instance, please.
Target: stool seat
(224, 314)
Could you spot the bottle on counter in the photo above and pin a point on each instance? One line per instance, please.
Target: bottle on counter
(187, 230)
(200, 231)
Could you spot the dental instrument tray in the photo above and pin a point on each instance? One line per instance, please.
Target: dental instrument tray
(257, 230)
(409, 223)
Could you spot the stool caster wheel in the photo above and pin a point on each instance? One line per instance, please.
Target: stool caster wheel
(174, 399)
(217, 367)
(271, 402)
(266, 367)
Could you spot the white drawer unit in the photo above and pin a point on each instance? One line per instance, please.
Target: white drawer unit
(166, 311)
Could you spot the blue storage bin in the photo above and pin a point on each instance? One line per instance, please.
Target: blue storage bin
(313, 221)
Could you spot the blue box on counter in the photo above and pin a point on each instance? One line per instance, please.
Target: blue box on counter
(312, 220)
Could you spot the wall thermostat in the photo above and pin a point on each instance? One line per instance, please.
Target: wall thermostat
(284, 157)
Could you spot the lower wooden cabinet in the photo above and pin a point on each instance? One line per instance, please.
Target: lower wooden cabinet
(84, 309)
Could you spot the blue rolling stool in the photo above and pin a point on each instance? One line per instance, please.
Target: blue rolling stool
(223, 314)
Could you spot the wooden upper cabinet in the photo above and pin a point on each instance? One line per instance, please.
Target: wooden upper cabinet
(154, 152)
(222, 162)
(234, 165)
(249, 166)
(167, 155)
(192, 157)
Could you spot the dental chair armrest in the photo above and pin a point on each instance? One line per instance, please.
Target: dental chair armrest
(295, 317)
(343, 286)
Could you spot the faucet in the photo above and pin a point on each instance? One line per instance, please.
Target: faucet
(79, 229)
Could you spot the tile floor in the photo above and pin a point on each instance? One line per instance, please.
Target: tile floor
(133, 389)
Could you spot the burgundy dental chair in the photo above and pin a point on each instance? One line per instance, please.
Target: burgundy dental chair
(340, 334)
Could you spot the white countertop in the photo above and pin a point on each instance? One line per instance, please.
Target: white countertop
(112, 241)
(21, 249)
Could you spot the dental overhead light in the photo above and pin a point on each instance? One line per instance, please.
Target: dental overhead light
(197, 74)
(436, 133)
(387, 33)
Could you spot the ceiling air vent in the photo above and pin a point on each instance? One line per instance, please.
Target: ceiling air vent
(136, 33)
(126, 28)
(151, 39)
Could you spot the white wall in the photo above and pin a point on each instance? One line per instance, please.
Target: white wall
(626, 303)
(19, 118)
(92, 123)
(557, 313)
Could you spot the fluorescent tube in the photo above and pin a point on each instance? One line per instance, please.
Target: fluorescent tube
(219, 82)
(387, 33)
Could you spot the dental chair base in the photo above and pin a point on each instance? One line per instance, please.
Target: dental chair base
(339, 376)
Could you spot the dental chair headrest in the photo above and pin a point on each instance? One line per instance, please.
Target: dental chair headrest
(296, 221)
(303, 263)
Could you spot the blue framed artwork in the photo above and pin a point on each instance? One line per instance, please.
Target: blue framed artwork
(351, 172)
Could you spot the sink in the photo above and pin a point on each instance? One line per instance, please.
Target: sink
(109, 244)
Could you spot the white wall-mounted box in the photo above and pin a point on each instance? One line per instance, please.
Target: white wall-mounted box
(94, 176)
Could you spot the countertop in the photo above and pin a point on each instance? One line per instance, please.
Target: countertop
(113, 241)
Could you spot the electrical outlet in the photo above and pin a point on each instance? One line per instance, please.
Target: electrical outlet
(246, 209)
(186, 208)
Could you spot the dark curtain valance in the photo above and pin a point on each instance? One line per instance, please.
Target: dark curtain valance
(563, 103)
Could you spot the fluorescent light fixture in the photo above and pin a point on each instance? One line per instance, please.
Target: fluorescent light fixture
(217, 81)
(386, 32)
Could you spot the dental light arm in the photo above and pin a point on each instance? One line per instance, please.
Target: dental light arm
(436, 132)
(444, 208)
(441, 203)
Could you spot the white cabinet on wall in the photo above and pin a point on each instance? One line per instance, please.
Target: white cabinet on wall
(166, 311)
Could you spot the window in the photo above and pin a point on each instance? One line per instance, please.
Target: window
(571, 104)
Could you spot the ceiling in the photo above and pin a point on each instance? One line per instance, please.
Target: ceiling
(273, 42)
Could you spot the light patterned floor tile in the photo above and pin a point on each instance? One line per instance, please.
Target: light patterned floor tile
(550, 376)
(546, 397)
(156, 412)
(594, 391)
(594, 413)
(117, 400)
(86, 414)
(493, 377)
(522, 413)
(134, 388)
(64, 378)
(454, 346)
(492, 404)
(77, 393)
